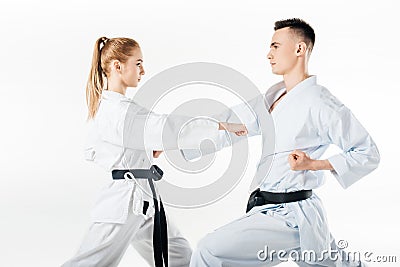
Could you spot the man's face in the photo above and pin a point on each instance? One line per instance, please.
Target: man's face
(282, 54)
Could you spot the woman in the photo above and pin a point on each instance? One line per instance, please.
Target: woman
(125, 210)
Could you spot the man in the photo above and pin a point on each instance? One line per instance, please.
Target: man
(284, 215)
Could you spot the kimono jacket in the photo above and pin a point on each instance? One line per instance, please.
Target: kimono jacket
(309, 118)
(123, 135)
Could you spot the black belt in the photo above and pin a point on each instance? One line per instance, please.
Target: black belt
(160, 234)
(259, 198)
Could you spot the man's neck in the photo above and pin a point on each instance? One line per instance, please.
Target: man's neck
(293, 79)
(298, 74)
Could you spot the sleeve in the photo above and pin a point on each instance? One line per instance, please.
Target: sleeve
(360, 154)
(145, 130)
(244, 113)
(89, 151)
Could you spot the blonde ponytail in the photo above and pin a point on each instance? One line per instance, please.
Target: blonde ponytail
(105, 50)
(95, 81)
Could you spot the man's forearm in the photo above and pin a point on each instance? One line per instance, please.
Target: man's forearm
(317, 165)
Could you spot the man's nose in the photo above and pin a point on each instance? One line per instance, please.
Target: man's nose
(269, 55)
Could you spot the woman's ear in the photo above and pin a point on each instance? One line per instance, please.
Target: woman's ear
(116, 65)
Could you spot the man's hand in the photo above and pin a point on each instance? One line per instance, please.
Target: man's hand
(300, 161)
(156, 153)
(237, 128)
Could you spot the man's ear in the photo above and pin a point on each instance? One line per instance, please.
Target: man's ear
(301, 49)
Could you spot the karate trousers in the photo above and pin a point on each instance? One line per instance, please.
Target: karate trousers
(243, 243)
(105, 243)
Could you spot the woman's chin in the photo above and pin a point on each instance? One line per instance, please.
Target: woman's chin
(133, 85)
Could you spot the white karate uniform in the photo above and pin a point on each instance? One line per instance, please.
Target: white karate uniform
(308, 118)
(121, 134)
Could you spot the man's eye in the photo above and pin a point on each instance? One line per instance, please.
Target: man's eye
(138, 64)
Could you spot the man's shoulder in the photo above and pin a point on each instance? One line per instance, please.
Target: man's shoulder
(322, 99)
(314, 93)
(329, 100)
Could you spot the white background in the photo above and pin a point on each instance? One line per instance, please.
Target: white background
(47, 189)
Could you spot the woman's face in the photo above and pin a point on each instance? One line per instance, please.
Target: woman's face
(132, 69)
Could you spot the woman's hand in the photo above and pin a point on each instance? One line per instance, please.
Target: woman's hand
(237, 128)
(156, 153)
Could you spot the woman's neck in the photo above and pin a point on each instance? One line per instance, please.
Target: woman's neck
(116, 87)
